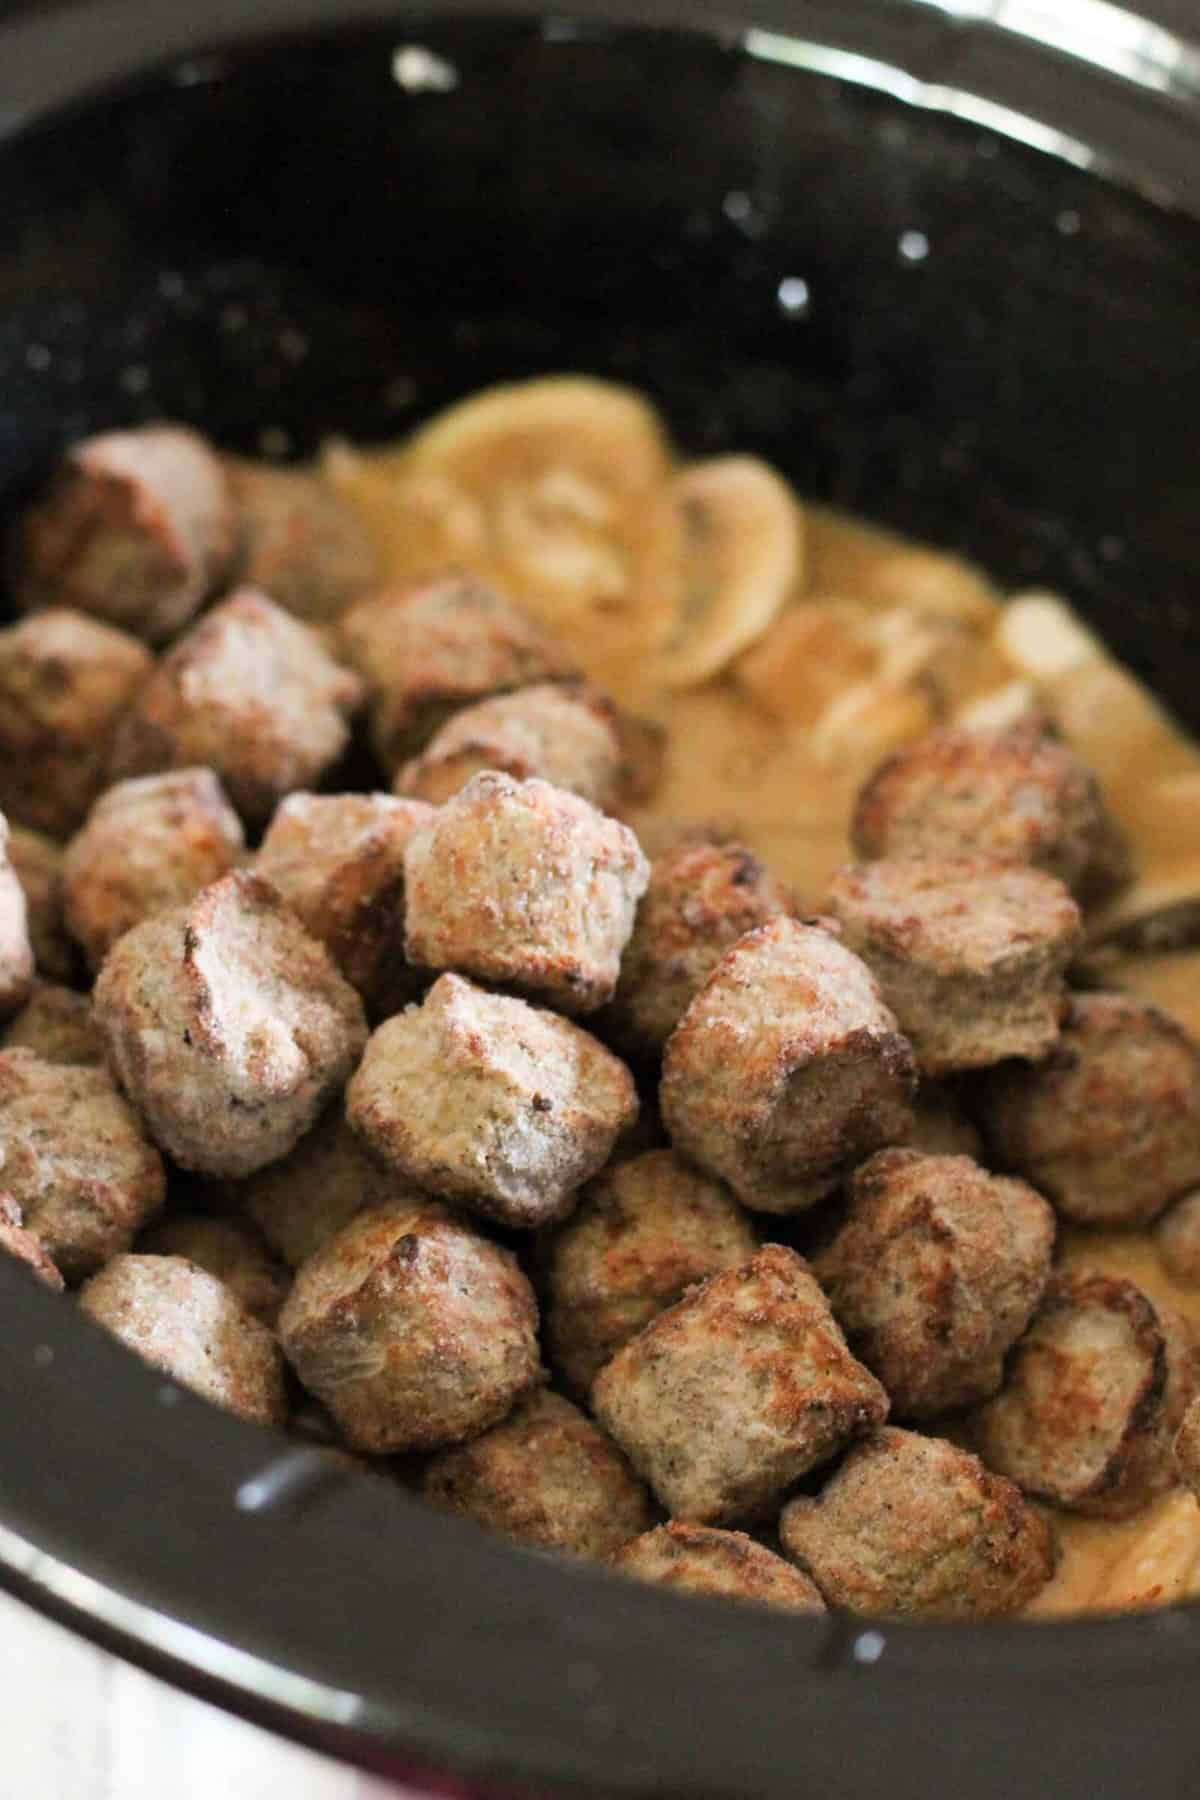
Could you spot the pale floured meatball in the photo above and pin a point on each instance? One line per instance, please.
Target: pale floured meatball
(1187, 1449)
(338, 861)
(546, 1475)
(16, 1242)
(1093, 1396)
(16, 951)
(914, 1525)
(940, 1126)
(700, 1559)
(228, 1026)
(564, 734)
(74, 1158)
(136, 528)
(934, 1275)
(426, 651)
(412, 1329)
(38, 864)
(146, 845)
(182, 1320)
(736, 1391)
(1015, 793)
(702, 897)
(297, 541)
(230, 1250)
(56, 1024)
(517, 882)
(644, 1231)
(969, 952)
(491, 1102)
(787, 1069)
(249, 693)
(1177, 1240)
(65, 681)
(1108, 1125)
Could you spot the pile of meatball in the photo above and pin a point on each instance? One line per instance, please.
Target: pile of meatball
(636, 1209)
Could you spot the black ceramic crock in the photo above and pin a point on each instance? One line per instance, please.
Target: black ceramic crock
(937, 259)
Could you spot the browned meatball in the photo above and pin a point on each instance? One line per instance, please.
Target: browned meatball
(56, 1024)
(736, 1391)
(546, 1475)
(75, 1160)
(426, 651)
(16, 1242)
(1108, 1126)
(699, 1559)
(1177, 1240)
(146, 845)
(702, 897)
(412, 1329)
(940, 1126)
(16, 951)
(563, 734)
(38, 864)
(520, 883)
(228, 1249)
(1187, 1449)
(970, 953)
(297, 541)
(338, 861)
(182, 1320)
(786, 1069)
(228, 1026)
(912, 1524)
(644, 1231)
(249, 693)
(491, 1102)
(1013, 793)
(65, 681)
(934, 1275)
(1094, 1394)
(137, 528)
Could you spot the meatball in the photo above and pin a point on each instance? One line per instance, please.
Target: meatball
(338, 861)
(38, 864)
(969, 952)
(182, 1320)
(490, 1102)
(57, 1025)
(1187, 1449)
(16, 1242)
(75, 1160)
(698, 1559)
(228, 1026)
(934, 1275)
(562, 734)
(546, 1475)
(1108, 1126)
(702, 897)
(426, 651)
(65, 681)
(412, 1329)
(1177, 1240)
(136, 527)
(736, 1391)
(251, 694)
(297, 541)
(16, 951)
(1094, 1394)
(231, 1251)
(644, 1231)
(147, 844)
(787, 1069)
(940, 1126)
(1015, 793)
(517, 882)
(914, 1525)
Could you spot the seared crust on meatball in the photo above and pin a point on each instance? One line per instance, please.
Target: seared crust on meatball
(229, 1249)
(182, 1320)
(136, 528)
(38, 864)
(298, 541)
(74, 1158)
(1187, 1449)
(520, 883)
(56, 1024)
(564, 734)
(228, 1026)
(970, 953)
(65, 681)
(644, 1232)
(1094, 1394)
(736, 1391)
(426, 651)
(934, 1275)
(1108, 1126)
(786, 1069)
(489, 1101)
(16, 951)
(546, 1475)
(940, 1126)
(914, 1525)
(1177, 1240)
(16, 1242)
(699, 1559)
(251, 694)
(146, 845)
(702, 897)
(412, 1329)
